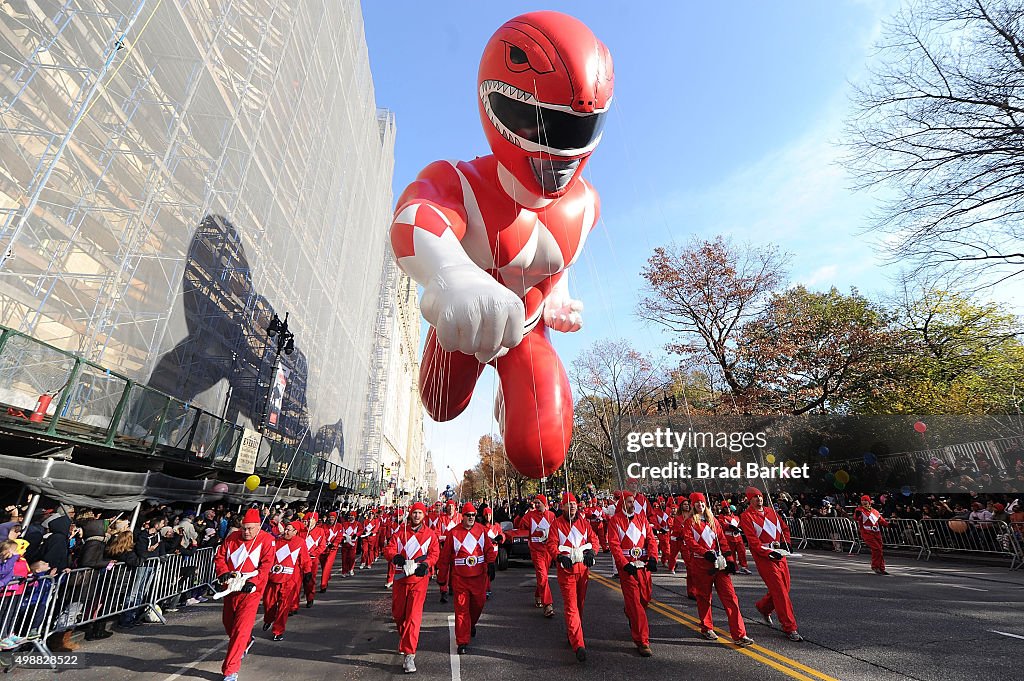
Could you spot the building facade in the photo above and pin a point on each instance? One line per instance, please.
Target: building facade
(174, 174)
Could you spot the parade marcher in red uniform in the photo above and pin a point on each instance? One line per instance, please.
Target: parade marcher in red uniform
(368, 534)
(537, 522)
(393, 526)
(734, 535)
(290, 556)
(596, 519)
(870, 523)
(765, 533)
(662, 525)
(349, 543)
(244, 551)
(572, 541)
(635, 552)
(713, 561)
(316, 542)
(494, 533)
(678, 544)
(414, 544)
(332, 539)
(465, 566)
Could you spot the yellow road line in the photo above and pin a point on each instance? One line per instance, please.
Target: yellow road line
(755, 652)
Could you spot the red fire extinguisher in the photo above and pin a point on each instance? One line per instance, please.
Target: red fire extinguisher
(41, 406)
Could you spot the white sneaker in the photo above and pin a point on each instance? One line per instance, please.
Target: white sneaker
(409, 666)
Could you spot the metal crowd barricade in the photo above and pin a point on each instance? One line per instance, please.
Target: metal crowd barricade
(26, 606)
(837, 531)
(176, 575)
(989, 538)
(796, 530)
(903, 533)
(88, 595)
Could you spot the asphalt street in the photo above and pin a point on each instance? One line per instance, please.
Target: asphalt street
(932, 621)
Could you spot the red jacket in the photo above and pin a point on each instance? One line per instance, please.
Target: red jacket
(761, 529)
(576, 535)
(237, 555)
(466, 553)
(289, 556)
(631, 539)
(538, 524)
(421, 546)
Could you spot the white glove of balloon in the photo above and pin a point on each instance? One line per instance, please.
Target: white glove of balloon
(472, 313)
(565, 315)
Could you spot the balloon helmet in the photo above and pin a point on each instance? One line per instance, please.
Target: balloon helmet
(545, 87)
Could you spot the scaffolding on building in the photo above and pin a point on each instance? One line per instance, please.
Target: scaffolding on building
(173, 171)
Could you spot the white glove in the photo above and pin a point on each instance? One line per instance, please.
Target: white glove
(409, 568)
(576, 555)
(472, 313)
(563, 315)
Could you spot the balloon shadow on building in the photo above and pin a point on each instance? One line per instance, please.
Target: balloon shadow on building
(227, 340)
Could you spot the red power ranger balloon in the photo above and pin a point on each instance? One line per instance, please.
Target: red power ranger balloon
(490, 240)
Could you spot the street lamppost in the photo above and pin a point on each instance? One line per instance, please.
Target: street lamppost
(285, 342)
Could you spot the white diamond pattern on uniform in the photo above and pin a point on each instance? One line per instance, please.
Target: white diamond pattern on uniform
(412, 547)
(282, 553)
(708, 535)
(542, 525)
(634, 533)
(239, 556)
(573, 539)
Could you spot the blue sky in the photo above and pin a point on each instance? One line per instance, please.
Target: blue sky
(724, 122)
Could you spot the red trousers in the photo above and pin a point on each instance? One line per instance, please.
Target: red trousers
(675, 547)
(603, 536)
(369, 550)
(636, 593)
(310, 586)
(348, 559)
(573, 585)
(391, 573)
(407, 599)
(238, 617)
(326, 565)
(541, 558)
(775, 575)
(664, 545)
(736, 544)
(690, 568)
(470, 595)
(277, 600)
(702, 583)
(873, 540)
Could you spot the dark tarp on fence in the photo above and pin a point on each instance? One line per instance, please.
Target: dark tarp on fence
(79, 485)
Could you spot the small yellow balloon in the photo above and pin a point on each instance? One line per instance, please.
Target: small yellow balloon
(791, 464)
(843, 477)
(252, 482)
(770, 458)
(333, 485)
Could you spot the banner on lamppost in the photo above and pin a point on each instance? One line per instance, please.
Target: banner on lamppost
(248, 451)
(277, 396)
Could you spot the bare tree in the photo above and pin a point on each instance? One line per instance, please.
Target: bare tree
(702, 292)
(940, 125)
(618, 387)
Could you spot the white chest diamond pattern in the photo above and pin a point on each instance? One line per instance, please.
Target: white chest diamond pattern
(542, 526)
(706, 536)
(285, 552)
(413, 549)
(473, 546)
(574, 539)
(240, 555)
(633, 533)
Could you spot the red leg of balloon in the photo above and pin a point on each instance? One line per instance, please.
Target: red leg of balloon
(447, 380)
(538, 405)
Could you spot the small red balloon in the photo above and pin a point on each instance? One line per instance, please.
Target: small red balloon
(920, 426)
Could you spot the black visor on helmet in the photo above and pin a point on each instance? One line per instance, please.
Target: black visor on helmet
(546, 127)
